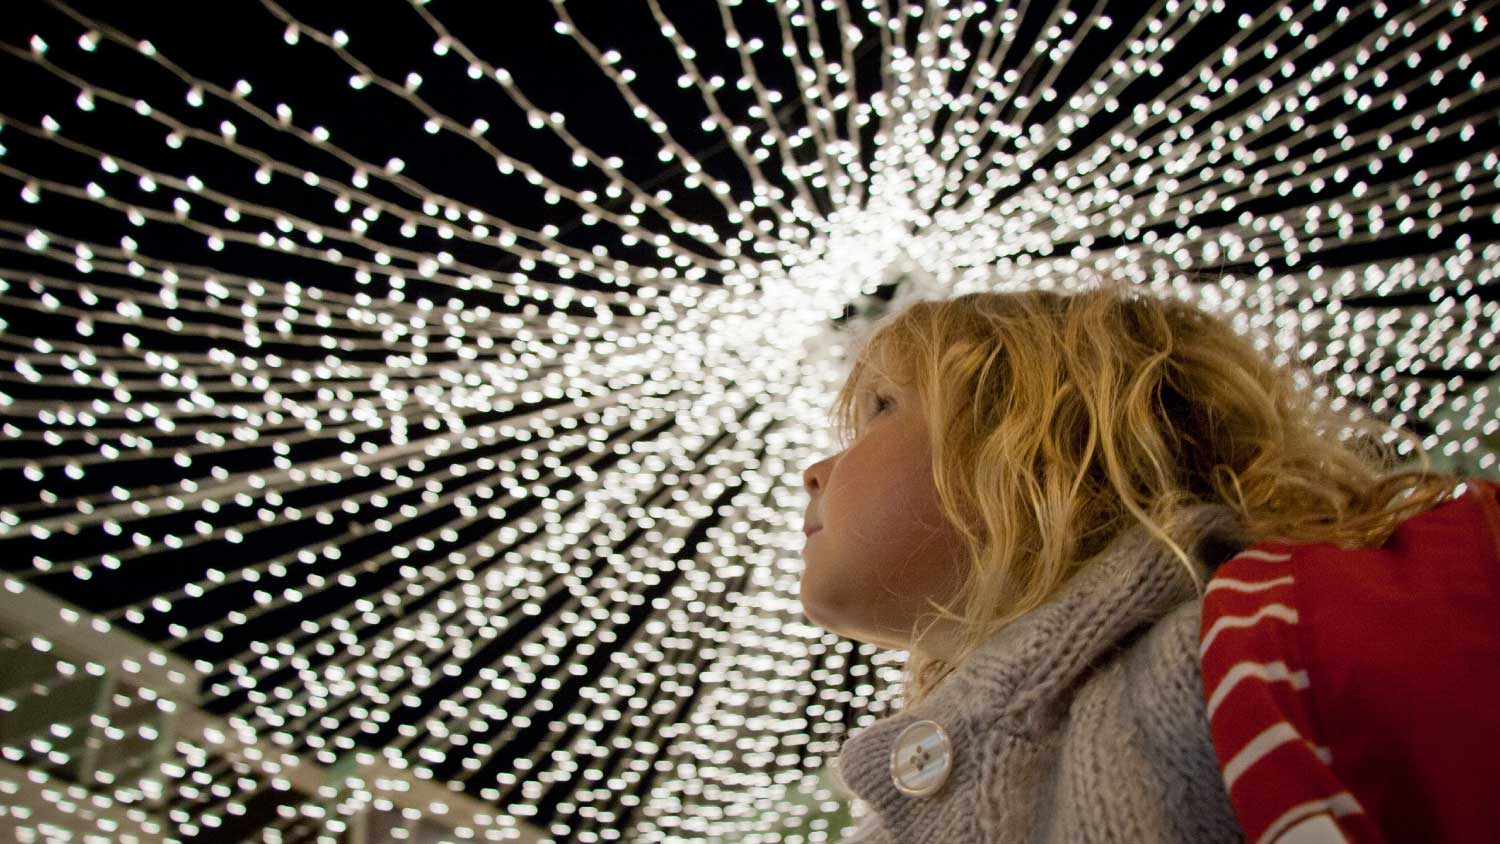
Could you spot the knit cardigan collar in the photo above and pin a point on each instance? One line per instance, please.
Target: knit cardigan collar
(1021, 681)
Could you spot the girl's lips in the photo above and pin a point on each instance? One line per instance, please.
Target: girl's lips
(812, 530)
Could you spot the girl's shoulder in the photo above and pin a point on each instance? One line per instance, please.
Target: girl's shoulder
(1436, 564)
(1357, 673)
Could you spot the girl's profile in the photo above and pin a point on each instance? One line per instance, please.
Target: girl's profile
(1034, 493)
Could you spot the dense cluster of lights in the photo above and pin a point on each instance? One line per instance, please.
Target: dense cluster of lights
(499, 500)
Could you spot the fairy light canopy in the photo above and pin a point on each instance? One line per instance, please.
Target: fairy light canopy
(420, 395)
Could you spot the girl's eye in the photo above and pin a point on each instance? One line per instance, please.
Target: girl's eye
(871, 405)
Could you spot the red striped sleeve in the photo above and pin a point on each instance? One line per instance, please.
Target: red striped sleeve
(1259, 701)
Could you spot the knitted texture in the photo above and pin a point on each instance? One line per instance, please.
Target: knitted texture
(1082, 721)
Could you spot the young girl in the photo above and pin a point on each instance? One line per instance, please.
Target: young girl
(1035, 493)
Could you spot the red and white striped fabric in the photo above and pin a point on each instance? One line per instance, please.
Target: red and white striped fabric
(1352, 695)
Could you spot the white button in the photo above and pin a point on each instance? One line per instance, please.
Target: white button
(921, 759)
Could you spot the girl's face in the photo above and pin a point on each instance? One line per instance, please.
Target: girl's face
(878, 545)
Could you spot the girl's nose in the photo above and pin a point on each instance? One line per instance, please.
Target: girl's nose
(814, 476)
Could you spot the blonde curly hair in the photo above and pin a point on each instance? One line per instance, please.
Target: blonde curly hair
(1057, 421)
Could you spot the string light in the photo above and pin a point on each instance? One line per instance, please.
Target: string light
(465, 508)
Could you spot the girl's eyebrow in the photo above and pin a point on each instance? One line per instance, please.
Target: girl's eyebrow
(881, 382)
(876, 377)
(870, 389)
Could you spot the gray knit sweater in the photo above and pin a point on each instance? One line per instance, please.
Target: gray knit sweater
(1083, 721)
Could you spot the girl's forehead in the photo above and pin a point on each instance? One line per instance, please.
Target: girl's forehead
(882, 363)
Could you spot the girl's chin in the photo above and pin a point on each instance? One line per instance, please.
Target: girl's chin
(837, 613)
